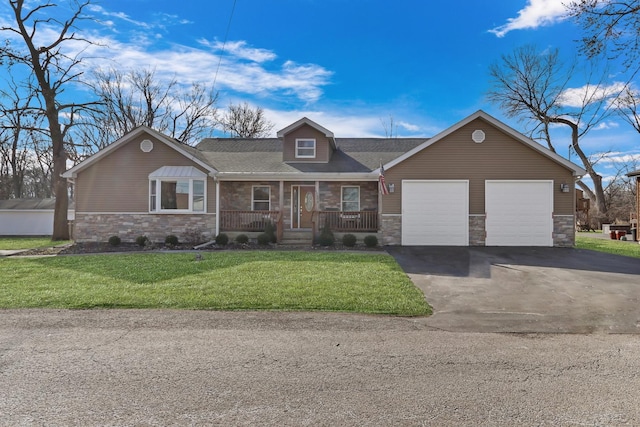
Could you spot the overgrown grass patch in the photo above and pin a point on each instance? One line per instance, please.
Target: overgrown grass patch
(615, 247)
(16, 243)
(255, 280)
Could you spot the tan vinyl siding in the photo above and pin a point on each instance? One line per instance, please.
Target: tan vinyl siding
(323, 145)
(456, 156)
(119, 182)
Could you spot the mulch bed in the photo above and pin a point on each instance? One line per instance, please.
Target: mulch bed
(103, 247)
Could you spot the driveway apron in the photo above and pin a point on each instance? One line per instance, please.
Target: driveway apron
(525, 290)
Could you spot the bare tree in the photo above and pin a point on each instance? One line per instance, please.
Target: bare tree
(242, 121)
(533, 86)
(53, 69)
(139, 97)
(611, 30)
(390, 127)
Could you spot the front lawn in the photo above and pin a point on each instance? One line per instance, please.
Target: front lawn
(16, 243)
(251, 280)
(615, 247)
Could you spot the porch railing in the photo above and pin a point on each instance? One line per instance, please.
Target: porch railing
(247, 220)
(357, 221)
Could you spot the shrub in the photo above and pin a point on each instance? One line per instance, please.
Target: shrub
(349, 240)
(326, 236)
(242, 239)
(371, 241)
(270, 230)
(171, 240)
(142, 241)
(264, 239)
(222, 239)
(114, 240)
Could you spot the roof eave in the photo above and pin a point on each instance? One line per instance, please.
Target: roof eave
(576, 170)
(295, 176)
(73, 172)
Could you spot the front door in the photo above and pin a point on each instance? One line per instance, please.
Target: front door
(303, 204)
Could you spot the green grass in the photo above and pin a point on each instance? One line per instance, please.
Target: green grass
(15, 243)
(252, 280)
(615, 247)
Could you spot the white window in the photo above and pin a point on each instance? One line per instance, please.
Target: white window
(350, 199)
(261, 198)
(305, 148)
(180, 194)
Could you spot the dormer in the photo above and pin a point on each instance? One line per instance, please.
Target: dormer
(305, 141)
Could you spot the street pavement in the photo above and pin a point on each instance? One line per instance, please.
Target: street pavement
(158, 368)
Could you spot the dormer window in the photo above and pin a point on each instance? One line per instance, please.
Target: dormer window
(305, 148)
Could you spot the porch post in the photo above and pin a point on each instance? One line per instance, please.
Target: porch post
(280, 227)
(217, 206)
(316, 208)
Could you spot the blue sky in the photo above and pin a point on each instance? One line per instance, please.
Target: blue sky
(347, 64)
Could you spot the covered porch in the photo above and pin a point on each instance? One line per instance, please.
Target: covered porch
(298, 206)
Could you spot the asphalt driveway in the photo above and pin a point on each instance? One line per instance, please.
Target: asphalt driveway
(521, 290)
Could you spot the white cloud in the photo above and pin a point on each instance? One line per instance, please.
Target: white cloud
(355, 124)
(535, 14)
(240, 50)
(587, 94)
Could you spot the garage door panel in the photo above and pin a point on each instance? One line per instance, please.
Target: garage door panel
(435, 213)
(519, 213)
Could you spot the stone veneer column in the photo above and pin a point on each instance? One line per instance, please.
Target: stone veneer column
(564, 231)
(391, 229)
(99, 227)
(477, 230)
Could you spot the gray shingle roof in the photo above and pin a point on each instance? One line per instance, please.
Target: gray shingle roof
(265, 155)
(30, 204)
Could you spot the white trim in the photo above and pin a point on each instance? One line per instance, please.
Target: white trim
(295, 176)
(577, 170)
(143, 213)
(304, 121)
(342, 187)
(73, 172)
(217, 207)
(253, 187)
(298, 148)
(158, 202)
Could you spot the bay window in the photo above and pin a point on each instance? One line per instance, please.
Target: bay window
(177, 189)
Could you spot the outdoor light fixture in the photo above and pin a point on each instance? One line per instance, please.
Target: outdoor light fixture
(564, 188)
(392, 188)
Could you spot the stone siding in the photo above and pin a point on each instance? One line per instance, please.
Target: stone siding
(391, 230)
(477, 230)
(99, 227)
(564, 231)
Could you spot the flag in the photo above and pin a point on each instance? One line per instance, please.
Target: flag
(383, 186)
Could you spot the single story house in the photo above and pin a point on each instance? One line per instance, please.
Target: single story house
(29, 217)
(476, 183)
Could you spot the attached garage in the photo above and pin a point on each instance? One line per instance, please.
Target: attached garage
(519, 213)
(435, 212)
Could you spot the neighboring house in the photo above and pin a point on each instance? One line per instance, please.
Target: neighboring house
(477, 183)
(28, 217)
(635, 216)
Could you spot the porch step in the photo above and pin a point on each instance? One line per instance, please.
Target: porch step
(296, 238)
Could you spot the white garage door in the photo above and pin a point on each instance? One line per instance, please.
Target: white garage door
(435, 213)
(519, 213)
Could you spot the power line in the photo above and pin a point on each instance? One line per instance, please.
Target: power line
(224, 43)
